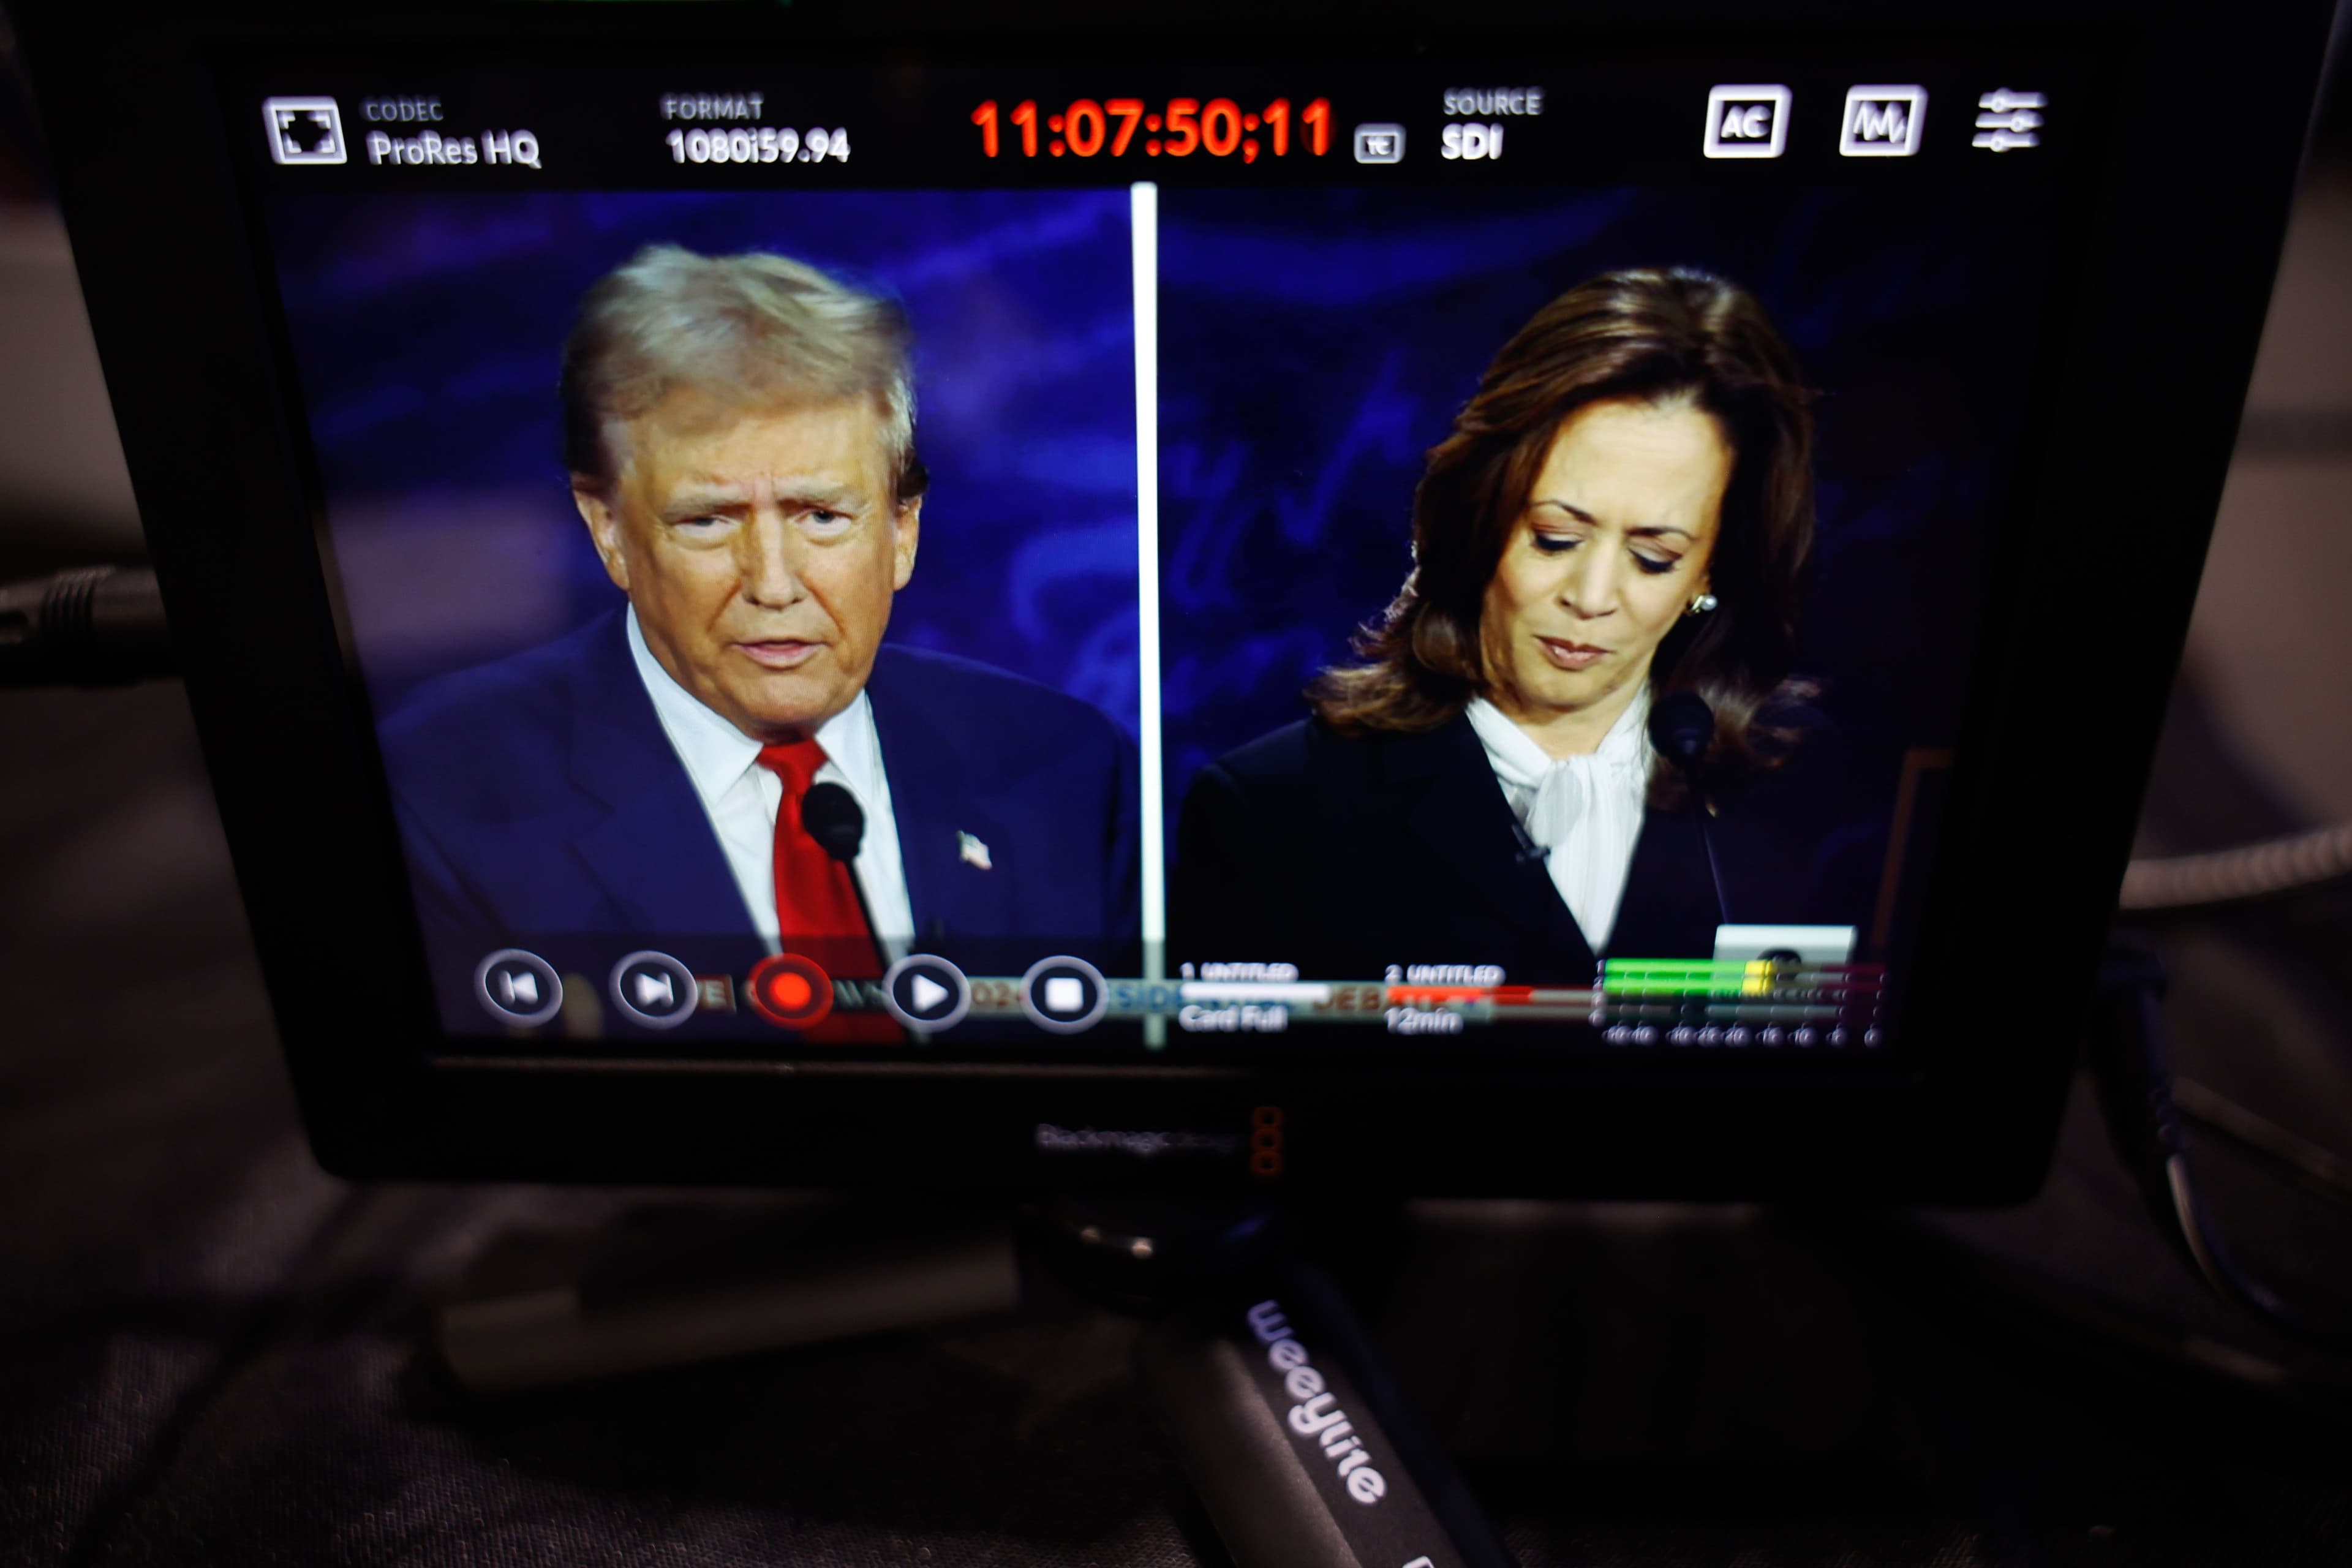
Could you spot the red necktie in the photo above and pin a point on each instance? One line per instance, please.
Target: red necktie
(817, 912)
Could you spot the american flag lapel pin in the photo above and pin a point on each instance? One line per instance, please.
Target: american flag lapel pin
(972, 851)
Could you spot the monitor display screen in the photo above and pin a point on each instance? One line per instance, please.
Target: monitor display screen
(927, 559)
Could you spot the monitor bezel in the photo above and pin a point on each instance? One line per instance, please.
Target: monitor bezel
(2041, 807)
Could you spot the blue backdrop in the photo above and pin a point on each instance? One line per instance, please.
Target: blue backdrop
(1315, 344)
(426, 333)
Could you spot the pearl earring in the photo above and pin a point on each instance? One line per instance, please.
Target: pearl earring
(1702, 605)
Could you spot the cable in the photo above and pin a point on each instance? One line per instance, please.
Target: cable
(2311, 1166)
(90, 626)
(2274, 866)
(2128, 1064)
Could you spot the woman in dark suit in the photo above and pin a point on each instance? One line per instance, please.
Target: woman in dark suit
(1574, 732)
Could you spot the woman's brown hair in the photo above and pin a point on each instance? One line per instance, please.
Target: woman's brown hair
(1657, 336)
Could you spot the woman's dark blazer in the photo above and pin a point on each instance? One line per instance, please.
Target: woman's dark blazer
(1345, 854)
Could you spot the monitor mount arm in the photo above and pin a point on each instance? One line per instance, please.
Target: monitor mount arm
(1284, 1416)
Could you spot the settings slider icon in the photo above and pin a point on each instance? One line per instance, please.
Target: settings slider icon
(2007, 120)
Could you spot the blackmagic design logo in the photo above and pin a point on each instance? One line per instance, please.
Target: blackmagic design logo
(1143, 1144)
(1317, 1416)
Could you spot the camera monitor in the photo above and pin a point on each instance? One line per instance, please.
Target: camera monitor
(1576, 606)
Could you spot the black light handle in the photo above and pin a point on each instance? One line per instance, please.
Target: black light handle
(1299, 1445)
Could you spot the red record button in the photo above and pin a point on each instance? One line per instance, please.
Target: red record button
(788, 990)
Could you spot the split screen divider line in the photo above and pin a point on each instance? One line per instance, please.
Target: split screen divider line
(1143, 215)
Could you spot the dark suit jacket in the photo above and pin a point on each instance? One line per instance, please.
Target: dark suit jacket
(1345, 854)
(539, 796)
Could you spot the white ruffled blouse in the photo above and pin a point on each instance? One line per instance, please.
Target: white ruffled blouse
(1584, 812)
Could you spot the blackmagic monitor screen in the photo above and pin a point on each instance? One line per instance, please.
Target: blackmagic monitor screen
(1237, 536)
(1498, 561)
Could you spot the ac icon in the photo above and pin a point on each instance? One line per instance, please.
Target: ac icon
(1747, 121)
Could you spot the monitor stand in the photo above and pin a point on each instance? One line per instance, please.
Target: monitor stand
(1281, 1412)
(676, 1283)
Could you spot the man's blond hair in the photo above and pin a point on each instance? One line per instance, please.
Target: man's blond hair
(753, 330)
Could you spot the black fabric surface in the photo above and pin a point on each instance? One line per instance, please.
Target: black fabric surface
(210, 1352)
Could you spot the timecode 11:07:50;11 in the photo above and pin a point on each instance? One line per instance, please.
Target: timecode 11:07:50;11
(1218, 128)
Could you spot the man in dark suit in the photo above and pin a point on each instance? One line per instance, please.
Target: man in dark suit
(740, 432)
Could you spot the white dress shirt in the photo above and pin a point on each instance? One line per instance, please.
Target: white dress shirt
(741, 799)
(1585, 812)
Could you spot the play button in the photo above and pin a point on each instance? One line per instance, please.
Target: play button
(926, 991)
